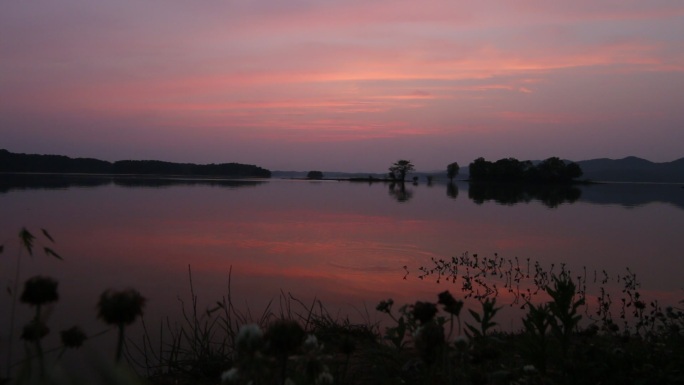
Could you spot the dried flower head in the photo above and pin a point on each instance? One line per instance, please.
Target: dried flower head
(39, 290)
(311, 342)
(424, 311)
(249, 338)
(230, 376)
(73, 337)
(461, 342)
(120, 307)
(285, 336)
(34, 331)
(385, 306)
(325, 378)
(451, 305)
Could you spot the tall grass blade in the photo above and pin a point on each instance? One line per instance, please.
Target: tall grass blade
(27, 240)
(47, 235)
(49, 251)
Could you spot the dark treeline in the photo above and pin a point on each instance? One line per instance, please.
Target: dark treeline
(11, 162)
(552, 170)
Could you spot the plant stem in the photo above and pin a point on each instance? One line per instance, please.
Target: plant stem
(119, 346)
(12, 314)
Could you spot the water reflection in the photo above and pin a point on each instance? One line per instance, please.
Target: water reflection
(344, 243)
(399, 192)
(157, 183)
(452, 190)
(622, 194)
(10, 182)
(633, 194)
(512, 193)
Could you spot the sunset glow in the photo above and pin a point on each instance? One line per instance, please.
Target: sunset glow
(343, 85)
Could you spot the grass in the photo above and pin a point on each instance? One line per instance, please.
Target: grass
(617, 339)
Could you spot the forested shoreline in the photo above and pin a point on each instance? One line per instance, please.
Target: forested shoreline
(13, 162)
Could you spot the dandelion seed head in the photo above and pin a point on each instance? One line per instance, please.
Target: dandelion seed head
(311, 342)
(249, 338)
(229, 375)
(325, 378)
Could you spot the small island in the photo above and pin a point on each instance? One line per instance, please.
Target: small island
(551, 170)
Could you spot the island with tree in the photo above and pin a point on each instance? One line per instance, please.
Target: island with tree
(314, 175)
(551, 170)
(399, 170)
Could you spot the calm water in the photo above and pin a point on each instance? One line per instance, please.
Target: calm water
(343, 243)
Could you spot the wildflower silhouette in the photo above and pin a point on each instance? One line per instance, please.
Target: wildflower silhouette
(284, 337)
(453, 307)
(38, 291)
(424, 311)
(73, 337)
(249, 340)
(34, 331)
(120, 308)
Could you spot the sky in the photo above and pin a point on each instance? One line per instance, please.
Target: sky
(343, 85)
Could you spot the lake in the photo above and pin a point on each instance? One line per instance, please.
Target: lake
(349, 245)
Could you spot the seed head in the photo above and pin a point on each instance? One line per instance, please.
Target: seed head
(39, 290)
(451, 305)
(424, 311)
(120, 307)
(249, 338)
(385, 306)
(285, 336)
(73, 337)
(34, 331)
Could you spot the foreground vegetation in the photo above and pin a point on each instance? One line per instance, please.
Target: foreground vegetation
(563, 339)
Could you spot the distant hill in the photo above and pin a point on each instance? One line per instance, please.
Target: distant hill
(632, 169)
(11, 162)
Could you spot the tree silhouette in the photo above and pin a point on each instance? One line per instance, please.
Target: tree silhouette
(551, 170)
(314, 175)
(452, 170)
(400, 168)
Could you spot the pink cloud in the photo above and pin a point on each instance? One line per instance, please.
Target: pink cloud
(335, 71)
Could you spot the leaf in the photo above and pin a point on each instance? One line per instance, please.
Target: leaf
(475, 315)
(47, 235)
(27, 240)
(51, 252)
(473, 330)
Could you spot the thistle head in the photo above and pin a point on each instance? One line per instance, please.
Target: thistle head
(34, 331)
(73, 337)
(120, 307)
(39, 290)
(285, 336)
(424, 311)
